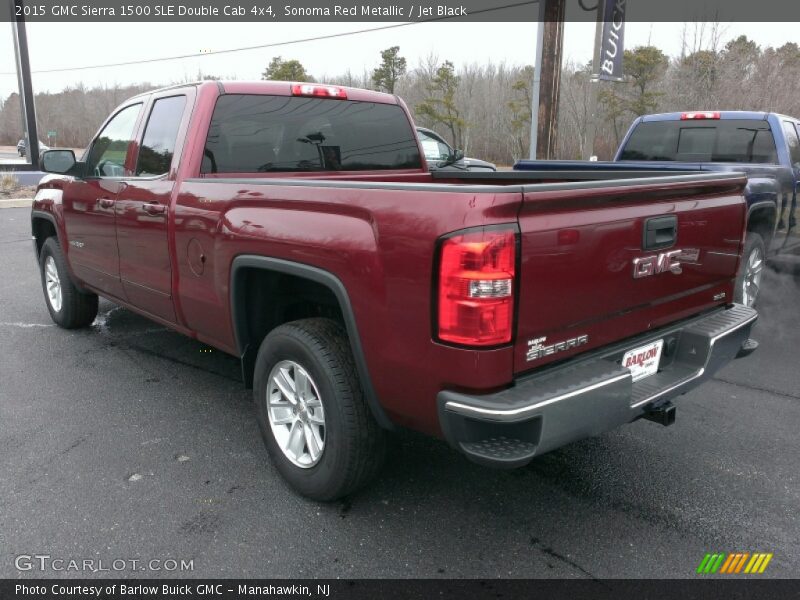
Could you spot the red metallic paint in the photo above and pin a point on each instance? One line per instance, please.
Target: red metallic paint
(380, 242)
(90, 227)
(587, 287)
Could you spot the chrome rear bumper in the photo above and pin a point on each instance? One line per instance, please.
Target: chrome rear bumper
(590, 394)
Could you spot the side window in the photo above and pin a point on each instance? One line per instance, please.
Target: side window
(764, 149)
(160, 135)
(797, 128)
(106, 157)
(793, 141)
(433, 148)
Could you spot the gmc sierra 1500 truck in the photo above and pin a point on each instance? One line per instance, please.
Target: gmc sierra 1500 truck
(763, 146)
(297, 226)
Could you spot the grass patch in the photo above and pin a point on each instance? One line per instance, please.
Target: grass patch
(8, 182)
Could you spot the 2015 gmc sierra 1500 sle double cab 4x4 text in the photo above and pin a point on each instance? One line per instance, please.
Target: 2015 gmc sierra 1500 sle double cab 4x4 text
(297, 226)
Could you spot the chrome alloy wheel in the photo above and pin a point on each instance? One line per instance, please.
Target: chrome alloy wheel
(295, 413)
(52, 283)
(751, 282)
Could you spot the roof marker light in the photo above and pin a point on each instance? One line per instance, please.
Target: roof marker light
(691, 116)
(319, 91)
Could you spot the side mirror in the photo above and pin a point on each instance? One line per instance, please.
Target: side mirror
(61, 162)
(458, 155)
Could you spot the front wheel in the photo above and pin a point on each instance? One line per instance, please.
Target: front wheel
(311, 410)
(68, 306)
(748, 282)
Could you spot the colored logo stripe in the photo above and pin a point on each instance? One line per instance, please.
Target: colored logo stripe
(742, 560)
(703, 564)
(732, 558)
(735, 562)
(758, 563)
(721, 562)
(710, 563)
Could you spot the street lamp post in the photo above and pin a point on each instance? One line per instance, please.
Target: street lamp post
(24, 78)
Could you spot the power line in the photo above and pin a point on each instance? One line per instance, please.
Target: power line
(273, 44)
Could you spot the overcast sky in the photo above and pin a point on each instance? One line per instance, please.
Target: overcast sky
(54, 45)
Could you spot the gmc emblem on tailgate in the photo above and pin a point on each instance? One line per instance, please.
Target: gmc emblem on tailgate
(663, 262)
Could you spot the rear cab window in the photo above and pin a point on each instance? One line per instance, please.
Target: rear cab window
(264, 134)
(732, 140)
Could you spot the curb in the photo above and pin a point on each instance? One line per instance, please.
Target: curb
(16, 203)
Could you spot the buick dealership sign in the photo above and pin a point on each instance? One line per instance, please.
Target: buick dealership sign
(608, 65)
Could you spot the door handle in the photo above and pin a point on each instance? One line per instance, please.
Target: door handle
(106, 202)
(154, 208)
(660, 232)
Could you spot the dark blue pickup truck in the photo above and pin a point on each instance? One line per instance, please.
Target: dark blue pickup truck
(765, 146)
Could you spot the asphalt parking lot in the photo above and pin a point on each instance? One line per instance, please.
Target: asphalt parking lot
(128, 441)
(9, 154)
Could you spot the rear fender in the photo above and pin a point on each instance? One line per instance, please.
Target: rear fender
(763, 199)
(246, 346)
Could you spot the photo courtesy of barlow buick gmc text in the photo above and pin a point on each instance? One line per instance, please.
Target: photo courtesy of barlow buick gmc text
(453, 300)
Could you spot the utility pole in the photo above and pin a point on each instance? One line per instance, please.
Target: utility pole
(537, 79)
(547, 79)
(25, 81)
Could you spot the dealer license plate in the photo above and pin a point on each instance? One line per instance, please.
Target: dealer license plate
(643, 361)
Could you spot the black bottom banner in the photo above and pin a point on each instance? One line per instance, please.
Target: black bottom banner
(381, 589)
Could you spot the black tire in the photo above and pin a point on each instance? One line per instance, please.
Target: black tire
(78, 309)
(354, 444)
(753, 243)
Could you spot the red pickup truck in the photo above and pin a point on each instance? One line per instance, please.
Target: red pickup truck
(298, 227)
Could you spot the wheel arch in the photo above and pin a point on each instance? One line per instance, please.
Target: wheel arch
(251, 274)
(43, 226)
(762, 219)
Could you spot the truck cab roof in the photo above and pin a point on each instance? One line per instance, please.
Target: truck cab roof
(277, 88)
(723, 115)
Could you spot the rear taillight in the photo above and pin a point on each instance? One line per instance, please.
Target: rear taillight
(476, 287)
(319, 91)
(693, 116)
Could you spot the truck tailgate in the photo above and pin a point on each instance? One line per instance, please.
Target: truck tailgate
(590, 274)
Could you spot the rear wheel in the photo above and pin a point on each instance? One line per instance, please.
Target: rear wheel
(311, 410)
(748, 283)
(69, 307)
